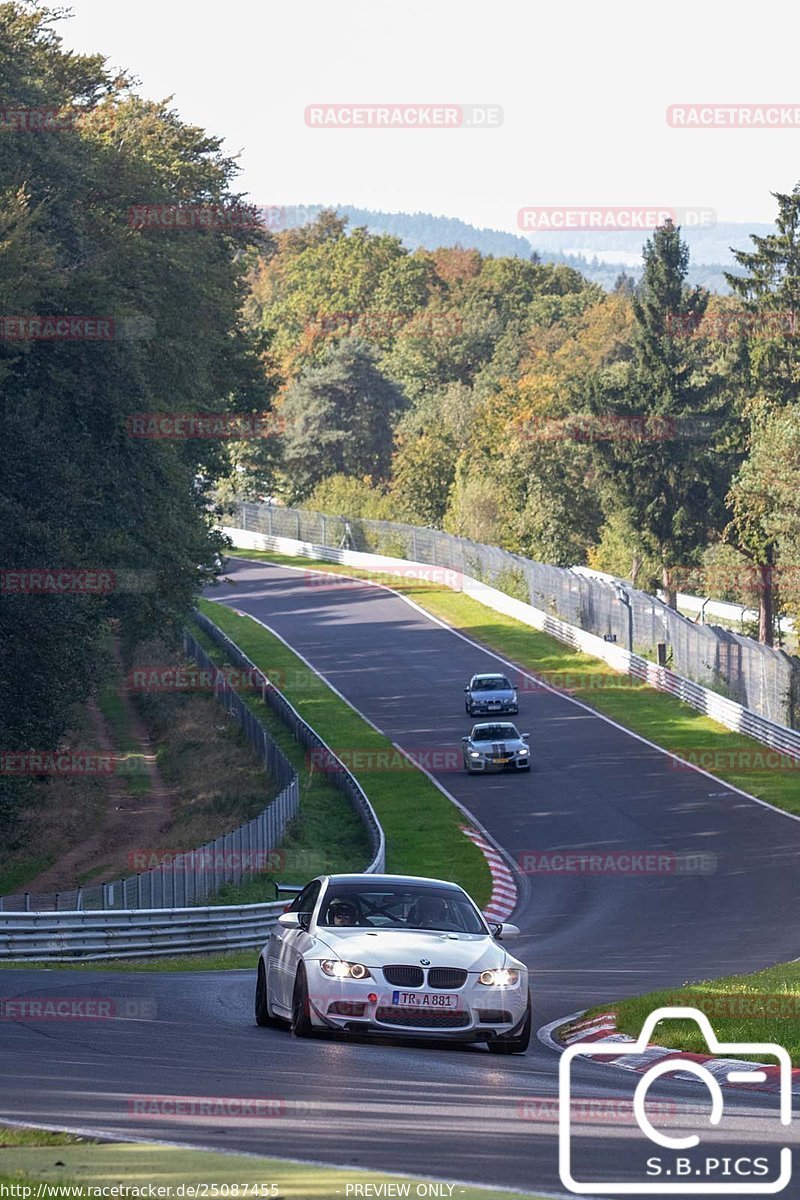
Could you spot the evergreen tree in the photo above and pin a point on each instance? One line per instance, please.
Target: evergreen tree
(658, 428)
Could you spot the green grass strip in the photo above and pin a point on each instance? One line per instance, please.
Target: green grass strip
(422, 827)
(678, 728)
(762, 1007)
(88, 1165)
(326, 836)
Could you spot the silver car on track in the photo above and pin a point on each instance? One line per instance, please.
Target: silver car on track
(496, 746)
(487, 694)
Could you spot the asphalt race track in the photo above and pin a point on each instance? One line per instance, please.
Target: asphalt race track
(447, 1112)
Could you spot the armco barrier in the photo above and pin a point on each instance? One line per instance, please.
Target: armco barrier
(763, 679)
(726, 712)
(134, 933)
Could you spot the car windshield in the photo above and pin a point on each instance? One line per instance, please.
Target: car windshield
(399, 906)
(494, 733)
(491, 683)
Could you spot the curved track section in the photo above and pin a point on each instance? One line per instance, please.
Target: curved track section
(450, 1113)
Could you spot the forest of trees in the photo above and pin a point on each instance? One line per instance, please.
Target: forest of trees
(650, 430)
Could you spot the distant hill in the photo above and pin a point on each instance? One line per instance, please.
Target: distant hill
(599, 257)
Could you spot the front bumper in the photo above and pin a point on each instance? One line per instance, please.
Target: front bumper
(487, 707)
(515, 762)
(484, 1013)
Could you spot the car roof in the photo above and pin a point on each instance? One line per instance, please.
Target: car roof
(387, 879)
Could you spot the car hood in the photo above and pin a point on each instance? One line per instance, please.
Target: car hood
(471, 952)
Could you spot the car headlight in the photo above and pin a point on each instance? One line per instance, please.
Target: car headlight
(344, 970)
(474, 754)
(523, 750)
(501, 977)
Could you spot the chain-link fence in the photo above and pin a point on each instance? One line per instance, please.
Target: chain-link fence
(189, 877)
(761, 678)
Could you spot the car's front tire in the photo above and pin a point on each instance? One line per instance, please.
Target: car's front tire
(301, 1006)
(514, 1045)
(264, 1017)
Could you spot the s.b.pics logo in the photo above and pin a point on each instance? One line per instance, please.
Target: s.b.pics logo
(701, 1156)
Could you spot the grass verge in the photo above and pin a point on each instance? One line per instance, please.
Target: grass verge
(733, 757)
(422, 827)
(84, 1165)
(325, 836)
(762, 1007)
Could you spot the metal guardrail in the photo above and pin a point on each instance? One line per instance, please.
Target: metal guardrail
(135, 933)
(722, 709)
(126, 928)
(760, 678)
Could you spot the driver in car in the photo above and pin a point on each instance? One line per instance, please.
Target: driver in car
(342, 912)
(430, 912)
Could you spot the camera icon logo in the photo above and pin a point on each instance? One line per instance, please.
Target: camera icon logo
(698, 1172)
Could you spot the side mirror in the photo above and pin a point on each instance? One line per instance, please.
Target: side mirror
(465, 738)
(504, 931)
(289, 920)
(466, 689)
(524, 736)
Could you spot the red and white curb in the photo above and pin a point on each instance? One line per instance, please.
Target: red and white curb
(603, 1028)
(504, 888)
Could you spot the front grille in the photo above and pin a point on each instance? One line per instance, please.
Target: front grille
(446, 977)
(421, 1020)
(494, 1016)
(404, 976)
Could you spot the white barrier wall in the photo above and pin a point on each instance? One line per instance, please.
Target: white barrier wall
(720, 708)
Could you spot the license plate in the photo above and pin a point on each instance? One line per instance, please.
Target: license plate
(425, 1000)
(502, 760)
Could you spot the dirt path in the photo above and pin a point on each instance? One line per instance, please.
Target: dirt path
(133, 820)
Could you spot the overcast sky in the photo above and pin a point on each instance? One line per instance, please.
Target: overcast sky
(584, 88)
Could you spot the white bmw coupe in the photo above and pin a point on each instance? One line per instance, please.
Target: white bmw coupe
(396, 955)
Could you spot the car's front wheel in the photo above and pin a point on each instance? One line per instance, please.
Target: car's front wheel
(263, 1016)
(301, 1007)
(518, 1044)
